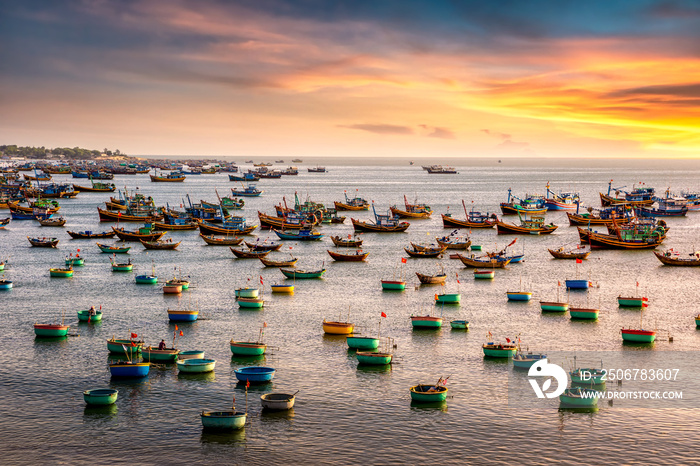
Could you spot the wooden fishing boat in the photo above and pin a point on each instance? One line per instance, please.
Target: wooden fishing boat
(579, 397)
(86, 316)
(185, 284)
(263, 246)
(574, 253)
(277, 401)
(532, 204)
(519, 295)
(553, 306)
(362, 342)
(129, 369)
(282, 289)
(637, 197)
(284, 263)
(454, 242)
(247, 348)
(531, 226)
(638, 335)
(113, 249)
(231, 227)
(561, 201)
(526, 360)
(121, 267)
(412, 210)
(50, 330)
(248, 191)
(671, 257)
(100, 396)
(52, 221)
(43, 242)
(348, 243)
(337, 328)
(302, 234)
(355, 256)
(193, 354)
(38, 177)
(250, 303)
(356, 203)
(625, 239)
(298, 273)
(146, 233)
(582, 313)
(247, 292)
(160, 244)
(431, 279)
(124, 346)
(242, 254)
(174, 177)
(172, 289)
(632, 301)
(45, 205)
(383, 227)
(90, 234)
(458, 324)
(219, 241)
(223, 420)
(483, 261)
(426, 393)
(426, 322)
(109, 216)
(182, 315)
(474, 220)
(255, 374)
(152, 354)
(424, 251)
(97, 187)
(176, 224)
(4, 222)
(499, 350)
(146, 279)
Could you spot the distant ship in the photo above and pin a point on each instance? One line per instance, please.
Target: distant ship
(248, 161)
(297, 161)
(411, 162)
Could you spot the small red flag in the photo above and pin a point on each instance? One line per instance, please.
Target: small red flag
(436, 297)
(133, 344)
(403, 260)
(508, 340)
(578, 261)
(181, 334)
(89, 316)
(247, 383)
(261, 280)
(383, 314)
(176, 327)
(78, 250)
(119, 214)
(558, 283)
(265, 324)
(133, 335)
(645, 305)
(637, 282)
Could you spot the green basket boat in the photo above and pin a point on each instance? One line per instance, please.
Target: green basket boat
(580, 313)
(426, 322)
(428, 393)
(250, 303)
(362, 343)
(84, 316)
(459, 324)
(697, 321)
(247, 348)
(100, 396)
(223, 420)
(122, 267)
(61, 273)
(579, 398)
(484, 274)
(475, 247)
(75, 261)
(393, 285)
(553, 306)
(117, 346)
(50, 330)
(146, 279)
(631, 302)
(376, 359)
(499, 350)
(448, 298)
(151, 354)
(638, 335)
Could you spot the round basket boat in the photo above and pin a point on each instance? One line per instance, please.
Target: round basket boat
(223, 420)
(172, 289)
(194, 354)
(50, 330)
(146, 279)
(100, 396)
(428, 393)
(247, 348)
(84, 316)
(255, 374)
(277, 401)
(195, 366)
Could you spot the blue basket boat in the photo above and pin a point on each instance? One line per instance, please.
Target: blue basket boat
(255, 374)
(129, 369)
(223, 420)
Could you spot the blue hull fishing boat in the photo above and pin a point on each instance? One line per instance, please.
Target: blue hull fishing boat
(255, 374)
(303, 234)
(223, 420)
(577, 284)
(129, 369)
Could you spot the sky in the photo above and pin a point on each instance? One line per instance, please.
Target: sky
(269, 78)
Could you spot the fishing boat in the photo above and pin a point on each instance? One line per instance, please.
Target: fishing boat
(519, 295)
(577, 283)
(317, 170)
(145, 216)
(480, 274)
(255, 374)
(638, 335)
(282, 288)
(454, 242)
(124, 346)
(283, 263)
(172, 289)
(338, 328)
(75, 261)
(671, 257)
(146, 233)
(393, 285)
(582, 313)
(499, 350)
(87, 315)
(121, 267)
(52, 221)
(483, 261)
(633, 301)
(230, 227)
(129, 369)
(50, 330)
(192, 354)
(195, 366)
(247, 292)
(232, 203)
(219, 241)
(298, 273)
(561, 201)
(528, 226)
(374, 358)
(90, 234)
(223, 420)
(43, 242)
(554, 306)
(459, 324)
(362, 342)
(526, 360)
(250, 303)
(448, 298)
(4, 222)
(348, 243)
(424, 251)
(579, 397)
(100, 396)
(411, 210)
(639, 196)
(354, 256)
(185, 284)
(665, 207)
(579, 252)
(5, 284)
(263, 246)
(627, 236)
(249, 254)
(250, 348)
(426, 322)
(172, 177)
(171, 223)
(277, 401)
(532, 204)
(182, 315)
(381, 224)
(61, 272)
(248, 191)
(605, 216)
(356, 203)
(160, 244)
(437, 278)
(587, 376)
(146, 279)
(427, 393)
(301, 234)
(473, 219)
(113, 249)
(151, 354)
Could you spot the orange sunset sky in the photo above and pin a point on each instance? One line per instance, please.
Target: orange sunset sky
(359, 78)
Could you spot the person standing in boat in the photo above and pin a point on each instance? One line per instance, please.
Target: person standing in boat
(161, 345)
(93, 312)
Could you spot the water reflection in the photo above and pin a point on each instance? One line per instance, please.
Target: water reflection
(437, 406)
(95, 414)
(204, 377)
(268, 416)
(373, 368)
(233, 437)
(247, 360)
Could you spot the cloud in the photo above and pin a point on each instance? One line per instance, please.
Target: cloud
(507, 142)
(381, 128)
(672, 90)
(502, 136)
(437, 132)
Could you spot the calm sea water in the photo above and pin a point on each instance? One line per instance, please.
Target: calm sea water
(344, 413)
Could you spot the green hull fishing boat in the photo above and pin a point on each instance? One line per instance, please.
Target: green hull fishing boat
(146, 279)
(100, 396)
(247, 348)
(631, 302)
(697, 321)
(362, 343)
(84, 316)
(393, 285)
(499, 350)
(579, 398)
(75, 261)
(117, 346)
(375, 359)
(459, 324)
(579, 313)
(50, 330)
(426, 322)
(428, 393)
(484, 274)
(61, 273)
(250, 303)
(553, 306)
(448, 298)
(150, 354)
(638, 336)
